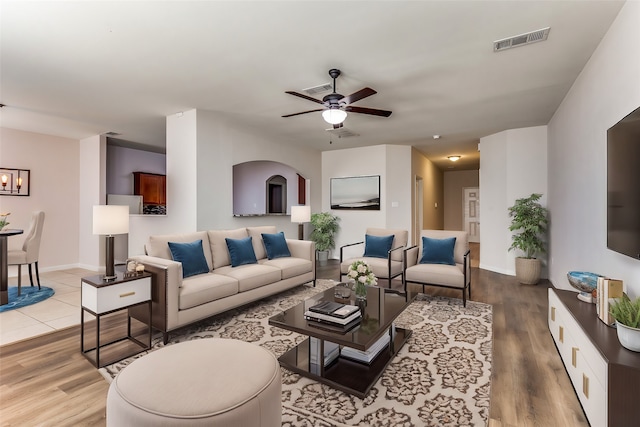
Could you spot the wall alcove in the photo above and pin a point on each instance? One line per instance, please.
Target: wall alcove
(264, 187)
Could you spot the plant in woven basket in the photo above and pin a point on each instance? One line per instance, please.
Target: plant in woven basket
(626, 311)
(529, 221)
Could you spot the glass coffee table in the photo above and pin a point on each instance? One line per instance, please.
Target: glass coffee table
(343, 373)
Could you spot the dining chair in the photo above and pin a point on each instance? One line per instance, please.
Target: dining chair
(30, 249)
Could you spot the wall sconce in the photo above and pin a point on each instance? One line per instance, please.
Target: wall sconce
(15, 182)
(300, 214)
(109, 220)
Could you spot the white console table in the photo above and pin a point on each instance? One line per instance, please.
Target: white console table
(605, 375)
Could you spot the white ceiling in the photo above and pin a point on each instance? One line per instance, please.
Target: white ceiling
(77, 69)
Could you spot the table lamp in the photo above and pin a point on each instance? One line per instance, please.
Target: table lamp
(300, 214)
(109, 220)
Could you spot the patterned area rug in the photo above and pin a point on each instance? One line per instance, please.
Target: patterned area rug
(28, 295)
(440, 377)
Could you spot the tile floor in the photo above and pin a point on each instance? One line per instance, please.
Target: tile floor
(58, 312)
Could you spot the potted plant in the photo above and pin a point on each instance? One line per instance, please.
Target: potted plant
(325, 226)
(529, 221)
(627, 315)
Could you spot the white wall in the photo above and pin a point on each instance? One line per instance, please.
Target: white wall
(54, 190)
(202, 147)
(123, 161)
(393, 164)
(607, 89)
(513, 165)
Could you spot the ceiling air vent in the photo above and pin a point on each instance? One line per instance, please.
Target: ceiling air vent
(112, 133)
(521, 40)
(342, 132)
(318, 89)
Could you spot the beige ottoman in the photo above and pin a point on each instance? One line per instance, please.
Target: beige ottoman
(202, 382)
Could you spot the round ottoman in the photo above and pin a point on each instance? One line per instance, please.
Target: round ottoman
(209, 382)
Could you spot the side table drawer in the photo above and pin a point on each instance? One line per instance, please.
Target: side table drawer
(107, 298)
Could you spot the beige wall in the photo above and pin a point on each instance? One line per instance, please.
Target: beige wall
(54, 165)
(454, 184)
(433, 192)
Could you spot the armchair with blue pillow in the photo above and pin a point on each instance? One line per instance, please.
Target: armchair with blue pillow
(440, 259)
(382, 249)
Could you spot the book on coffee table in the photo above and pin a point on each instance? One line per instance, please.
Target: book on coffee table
(327, 318)
(335, 309)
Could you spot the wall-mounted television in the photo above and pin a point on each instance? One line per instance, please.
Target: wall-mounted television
(623, 186)
(356, 193)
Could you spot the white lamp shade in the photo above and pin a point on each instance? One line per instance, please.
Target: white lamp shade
(300, 214)
(110, 219)
(334, 116)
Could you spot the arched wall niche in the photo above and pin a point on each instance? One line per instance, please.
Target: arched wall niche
(265, 187)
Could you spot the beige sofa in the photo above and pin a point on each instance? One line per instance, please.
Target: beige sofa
(179, 301)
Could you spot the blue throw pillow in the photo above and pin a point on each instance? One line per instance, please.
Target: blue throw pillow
(276, 245)
(241, 251)
(191, 256)
(377, 246)
(438, 251)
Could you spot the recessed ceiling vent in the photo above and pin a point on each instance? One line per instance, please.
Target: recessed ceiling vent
(342, 132)
(318, 89)
(521, 40)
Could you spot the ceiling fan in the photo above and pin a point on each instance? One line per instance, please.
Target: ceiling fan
(335, 105)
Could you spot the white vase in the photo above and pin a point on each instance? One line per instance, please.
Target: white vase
(629, 337)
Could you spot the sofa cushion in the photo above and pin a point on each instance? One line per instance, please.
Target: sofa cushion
(251, 276)
(377, 246)
(157, 246)
(219, 250)
(205, 288)
(290, 266)
(191, 256)
(275, 245)
(256, 234)
(241, 251)
(438, 274)
(438, 251)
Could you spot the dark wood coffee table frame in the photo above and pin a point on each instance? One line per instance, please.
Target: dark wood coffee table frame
(352, 377)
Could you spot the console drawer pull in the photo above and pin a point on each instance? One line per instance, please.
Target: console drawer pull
(574, 353)
(585, 385)
(127, 294)
(553, 314)
(561, 333)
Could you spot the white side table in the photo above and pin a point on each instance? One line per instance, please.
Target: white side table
(101, 298)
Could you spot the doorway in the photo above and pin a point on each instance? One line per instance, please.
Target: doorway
(277, 195)
(471, 213)
(419, 209)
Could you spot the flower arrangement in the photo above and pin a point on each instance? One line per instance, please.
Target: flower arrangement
(362, 275)
(3, 220)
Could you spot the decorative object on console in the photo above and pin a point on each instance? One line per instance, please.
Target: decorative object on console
(15, 182)
(325, 226)
(529, 219)
(300, 214)
(3, 220)
(360, 272)
(627, 316)
(109, 220)
(585, 282)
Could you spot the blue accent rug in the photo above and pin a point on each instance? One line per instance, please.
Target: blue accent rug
(29, 295)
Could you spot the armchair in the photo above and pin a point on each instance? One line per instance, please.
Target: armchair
(385, 260)
(441, 266)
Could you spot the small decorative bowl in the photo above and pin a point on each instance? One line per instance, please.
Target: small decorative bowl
(583, 281)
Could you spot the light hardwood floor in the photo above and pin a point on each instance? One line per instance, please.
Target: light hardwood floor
(46, 380)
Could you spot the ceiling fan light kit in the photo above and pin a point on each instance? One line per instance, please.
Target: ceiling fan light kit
(334, 116)
(336, 105)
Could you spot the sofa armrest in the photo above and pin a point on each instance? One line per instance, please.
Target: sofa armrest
(166, 297)
(304, 249)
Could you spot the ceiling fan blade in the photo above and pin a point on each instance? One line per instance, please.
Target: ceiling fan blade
(303, 112)
(371, 111)
(357, 96)
(305, 97)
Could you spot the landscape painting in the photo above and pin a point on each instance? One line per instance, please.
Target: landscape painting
(356, 193)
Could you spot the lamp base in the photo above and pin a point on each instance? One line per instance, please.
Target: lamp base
(300, 231)
(110, 271)
(106, 278)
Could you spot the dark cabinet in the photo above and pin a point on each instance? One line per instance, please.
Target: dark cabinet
(152, 187)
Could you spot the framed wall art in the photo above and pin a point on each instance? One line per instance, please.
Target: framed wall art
(356, 193)
(14, 182)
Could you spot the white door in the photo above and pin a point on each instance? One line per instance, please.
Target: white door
(472, 213)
